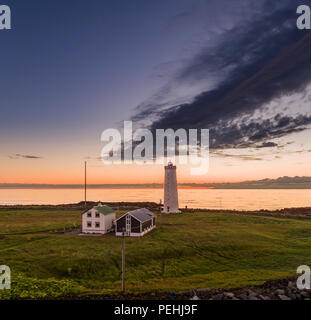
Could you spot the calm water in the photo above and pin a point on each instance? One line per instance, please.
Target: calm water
(193, 198)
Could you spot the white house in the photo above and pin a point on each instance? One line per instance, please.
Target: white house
(99, 219)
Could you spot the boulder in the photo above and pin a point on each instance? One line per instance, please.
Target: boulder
(229, 295)
(280, 292)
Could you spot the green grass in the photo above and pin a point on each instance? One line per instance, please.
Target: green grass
(14, 221)
(188, 251)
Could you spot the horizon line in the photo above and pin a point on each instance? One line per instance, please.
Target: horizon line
(283, 182)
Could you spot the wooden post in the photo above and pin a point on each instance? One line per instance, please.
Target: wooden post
(123, 261)
(84, 183)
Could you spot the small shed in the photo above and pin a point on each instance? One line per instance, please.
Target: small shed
(99, 219)
(135, 223)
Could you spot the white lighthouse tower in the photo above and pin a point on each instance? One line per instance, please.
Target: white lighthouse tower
(170, 190)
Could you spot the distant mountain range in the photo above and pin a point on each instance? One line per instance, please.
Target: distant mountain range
(280, 183)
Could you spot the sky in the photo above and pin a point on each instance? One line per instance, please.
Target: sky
(72, 69)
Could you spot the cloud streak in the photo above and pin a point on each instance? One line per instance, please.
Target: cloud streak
(24, 156)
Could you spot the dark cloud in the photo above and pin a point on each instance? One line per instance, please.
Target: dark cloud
(256, 133)
(268, 145)
(242, 157)
(24, 156)
(258, 61)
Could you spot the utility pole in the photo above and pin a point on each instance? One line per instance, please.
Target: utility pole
(84, 183)
(160, 214)
(123, 261)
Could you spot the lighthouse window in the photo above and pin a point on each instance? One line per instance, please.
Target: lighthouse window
(97, 215)
(89, 214)
(89, 224)
(97, 225)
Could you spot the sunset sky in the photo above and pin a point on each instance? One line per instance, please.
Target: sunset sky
(71, 69)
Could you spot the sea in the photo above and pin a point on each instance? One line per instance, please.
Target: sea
(234, 199)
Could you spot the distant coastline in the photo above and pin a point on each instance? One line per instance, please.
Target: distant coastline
(280, 183)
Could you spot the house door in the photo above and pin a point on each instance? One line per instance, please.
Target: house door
(128, 225)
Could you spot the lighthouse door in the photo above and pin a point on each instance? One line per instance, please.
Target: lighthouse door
(128, 225)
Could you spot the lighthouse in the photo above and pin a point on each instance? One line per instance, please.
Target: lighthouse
(170, 190)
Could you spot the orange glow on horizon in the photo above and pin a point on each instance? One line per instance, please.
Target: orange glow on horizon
(65, 171)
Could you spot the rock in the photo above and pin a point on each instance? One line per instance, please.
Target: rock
(202, 290)
(229, 295)
(280, 292)
(218, 297)
(292, 296)
(283, 289)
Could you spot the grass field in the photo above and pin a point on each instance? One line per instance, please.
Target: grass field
(188, 251)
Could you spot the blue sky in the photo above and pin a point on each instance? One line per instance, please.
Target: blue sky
(69, 63)
(71, 69)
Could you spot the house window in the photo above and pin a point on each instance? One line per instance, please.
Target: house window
(97, 225)
(89, 224)
(97, 215)
(89, 214)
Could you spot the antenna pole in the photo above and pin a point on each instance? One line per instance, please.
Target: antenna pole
(160, 214)
(85, 183)
(123, 261)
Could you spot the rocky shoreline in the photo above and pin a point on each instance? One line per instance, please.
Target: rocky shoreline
(281, 289)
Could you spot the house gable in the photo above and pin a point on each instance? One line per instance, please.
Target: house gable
(98, 219)
(102, 210)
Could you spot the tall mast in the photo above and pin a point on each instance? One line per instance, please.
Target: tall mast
(85, 183)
